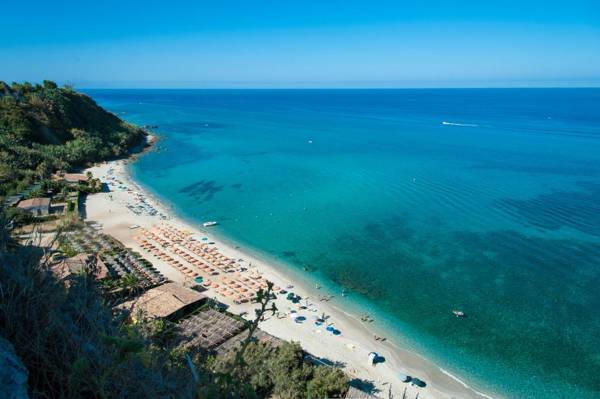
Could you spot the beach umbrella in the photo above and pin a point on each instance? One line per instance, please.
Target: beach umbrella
(404, 377)
(418, 382)
(372, 355)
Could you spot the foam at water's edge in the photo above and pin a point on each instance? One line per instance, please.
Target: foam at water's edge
(464, 384)
(351, 309)
(480, 218)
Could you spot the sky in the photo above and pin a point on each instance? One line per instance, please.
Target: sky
(302, 43)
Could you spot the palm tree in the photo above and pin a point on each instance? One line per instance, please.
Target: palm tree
(131, 283)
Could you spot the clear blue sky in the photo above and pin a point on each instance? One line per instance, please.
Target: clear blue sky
(302, 43)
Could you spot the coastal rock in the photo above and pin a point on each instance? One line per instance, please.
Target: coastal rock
(13, 374)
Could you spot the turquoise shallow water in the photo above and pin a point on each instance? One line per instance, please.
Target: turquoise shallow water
(495, 212)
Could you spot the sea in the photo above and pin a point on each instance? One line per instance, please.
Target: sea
(416, 203)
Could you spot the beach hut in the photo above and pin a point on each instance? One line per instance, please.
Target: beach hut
(169, 300)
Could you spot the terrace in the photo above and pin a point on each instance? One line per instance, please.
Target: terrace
(234, 342)
(120, 260)
(208, 329)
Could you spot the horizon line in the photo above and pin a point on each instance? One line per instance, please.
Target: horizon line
(339, 88)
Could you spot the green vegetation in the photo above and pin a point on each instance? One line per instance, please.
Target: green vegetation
(44, 128)
(74, 346)
(279, 371)
(68, 337)
(69, 340)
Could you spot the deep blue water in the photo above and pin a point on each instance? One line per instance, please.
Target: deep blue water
(496, 213)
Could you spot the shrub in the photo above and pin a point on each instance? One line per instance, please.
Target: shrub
(327, 382)
(70, 342)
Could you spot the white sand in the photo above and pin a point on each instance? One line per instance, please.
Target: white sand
(350, 348)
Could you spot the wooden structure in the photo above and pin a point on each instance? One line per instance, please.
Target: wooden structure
(167, 301)
(207, 330)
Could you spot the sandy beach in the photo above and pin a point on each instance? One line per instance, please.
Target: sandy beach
(114, 212)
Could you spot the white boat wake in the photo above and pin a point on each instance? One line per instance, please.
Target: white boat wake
(459, 124)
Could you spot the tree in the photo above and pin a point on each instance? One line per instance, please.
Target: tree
(64, 128)
(44, 170)
(69, 340)
(263, 297)
(327, 382)
(48, 84)
(289, 372)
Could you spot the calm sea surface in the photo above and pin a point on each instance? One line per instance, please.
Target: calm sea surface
(417, 202)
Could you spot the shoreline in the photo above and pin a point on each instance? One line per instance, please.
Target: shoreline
(351, 347)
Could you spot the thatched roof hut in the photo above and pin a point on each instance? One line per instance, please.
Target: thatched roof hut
(170, 300)
(82, 263)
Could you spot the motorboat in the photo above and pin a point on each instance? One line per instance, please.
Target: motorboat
(209, 224)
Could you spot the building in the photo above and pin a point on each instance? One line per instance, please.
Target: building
(82, 263)
(75, 178)
(35, 206)
(167, 301)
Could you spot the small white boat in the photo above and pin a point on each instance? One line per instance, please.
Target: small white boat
(209, 224)
(458, 313)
